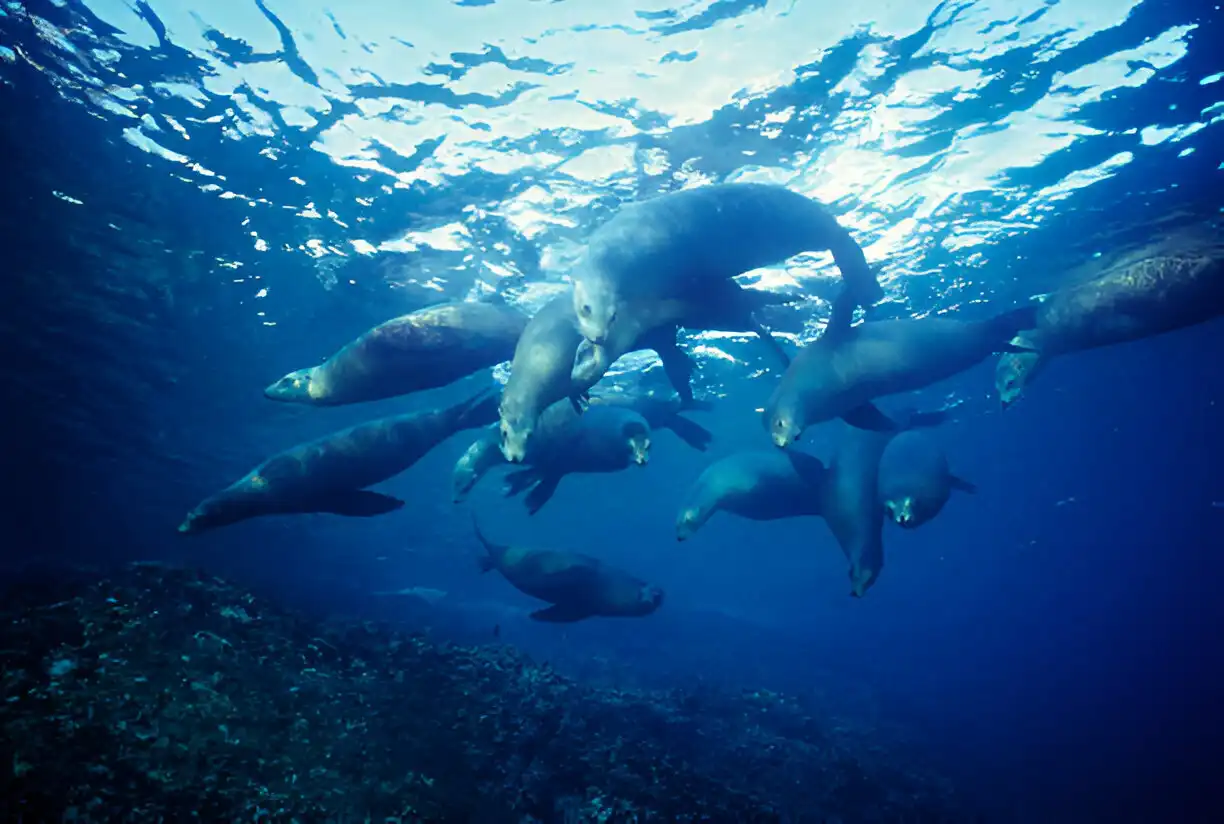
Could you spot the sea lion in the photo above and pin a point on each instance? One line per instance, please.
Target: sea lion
(1136, 298)
(850, 501)
(840, 373)
(680, 243)
(542, 372)
(602, 439)
(425, 349)
(914, 479)
(578, 586)
(663, 411)
(758, 485)
(330, 474)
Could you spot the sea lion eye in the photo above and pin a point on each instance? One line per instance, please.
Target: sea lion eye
(586, 310)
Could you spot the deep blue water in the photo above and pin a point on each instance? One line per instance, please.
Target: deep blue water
(200, 201)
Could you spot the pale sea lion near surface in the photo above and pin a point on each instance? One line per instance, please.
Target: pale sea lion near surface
(843, 371)
(915, 480)
(578, 586)
(723, 306)
(758, 485)
(602, 439)
(330, 474)
(542, 372)
(1138, 298)
(678, 244)
(429, 348)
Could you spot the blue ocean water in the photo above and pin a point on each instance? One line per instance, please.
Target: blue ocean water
(202, 197)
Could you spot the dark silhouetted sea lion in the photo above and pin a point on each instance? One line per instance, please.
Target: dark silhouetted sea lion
(542, 371)
(758, 485)
(578, 586)
(330, 474)
(679, 244)
(1136, 298)
(915, 480)
(602, 439)
(846, 368)
(425, 349)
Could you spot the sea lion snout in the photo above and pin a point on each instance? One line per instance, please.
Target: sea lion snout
(652, 597)
(641, 450)
(513, 440)
(902, 511)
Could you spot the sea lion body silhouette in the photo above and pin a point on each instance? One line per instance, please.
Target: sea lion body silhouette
(543, 373)
(758, 485)
(677, 244)
(915, 480)
(578, 586)
(1138, 298)
(426, 349)
(842, 372)
(330, 474)
(600, 440)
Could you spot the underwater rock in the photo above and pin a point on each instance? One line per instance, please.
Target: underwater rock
(162, 694)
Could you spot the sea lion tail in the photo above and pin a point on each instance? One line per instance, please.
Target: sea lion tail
(487, 561)
(479, 410)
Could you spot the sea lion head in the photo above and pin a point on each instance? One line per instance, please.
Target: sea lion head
(1012, 373)
(783, 421)
(649, 598)
(690, 520)
(637, 434)
(513, 434)
(596, 309)
(299, 386)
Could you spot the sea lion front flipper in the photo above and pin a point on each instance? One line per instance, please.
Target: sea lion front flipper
(357, 503)
(516, 482)
(962, 485)
(561, 614)
(541, 493)
(581, 402)
(691, 432)
(770, 341)
(868, 416)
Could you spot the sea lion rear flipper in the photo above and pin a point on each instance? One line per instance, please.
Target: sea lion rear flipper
(561, 614)
(691, 432)
(581, 402)
(962, 485)
(770, 341)
(358, 503)
(868, 416)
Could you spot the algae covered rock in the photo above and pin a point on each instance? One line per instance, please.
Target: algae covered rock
(161, 694)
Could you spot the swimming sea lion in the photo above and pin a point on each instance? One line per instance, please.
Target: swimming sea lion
(578, 586)
(330, 474)
(542, 371)
(840, 373)
(850, 501)
(758, 485)
(914, 479)
(680, 243)
(426, 349)
(1135, 299)
(663, 411)
(602, 439)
